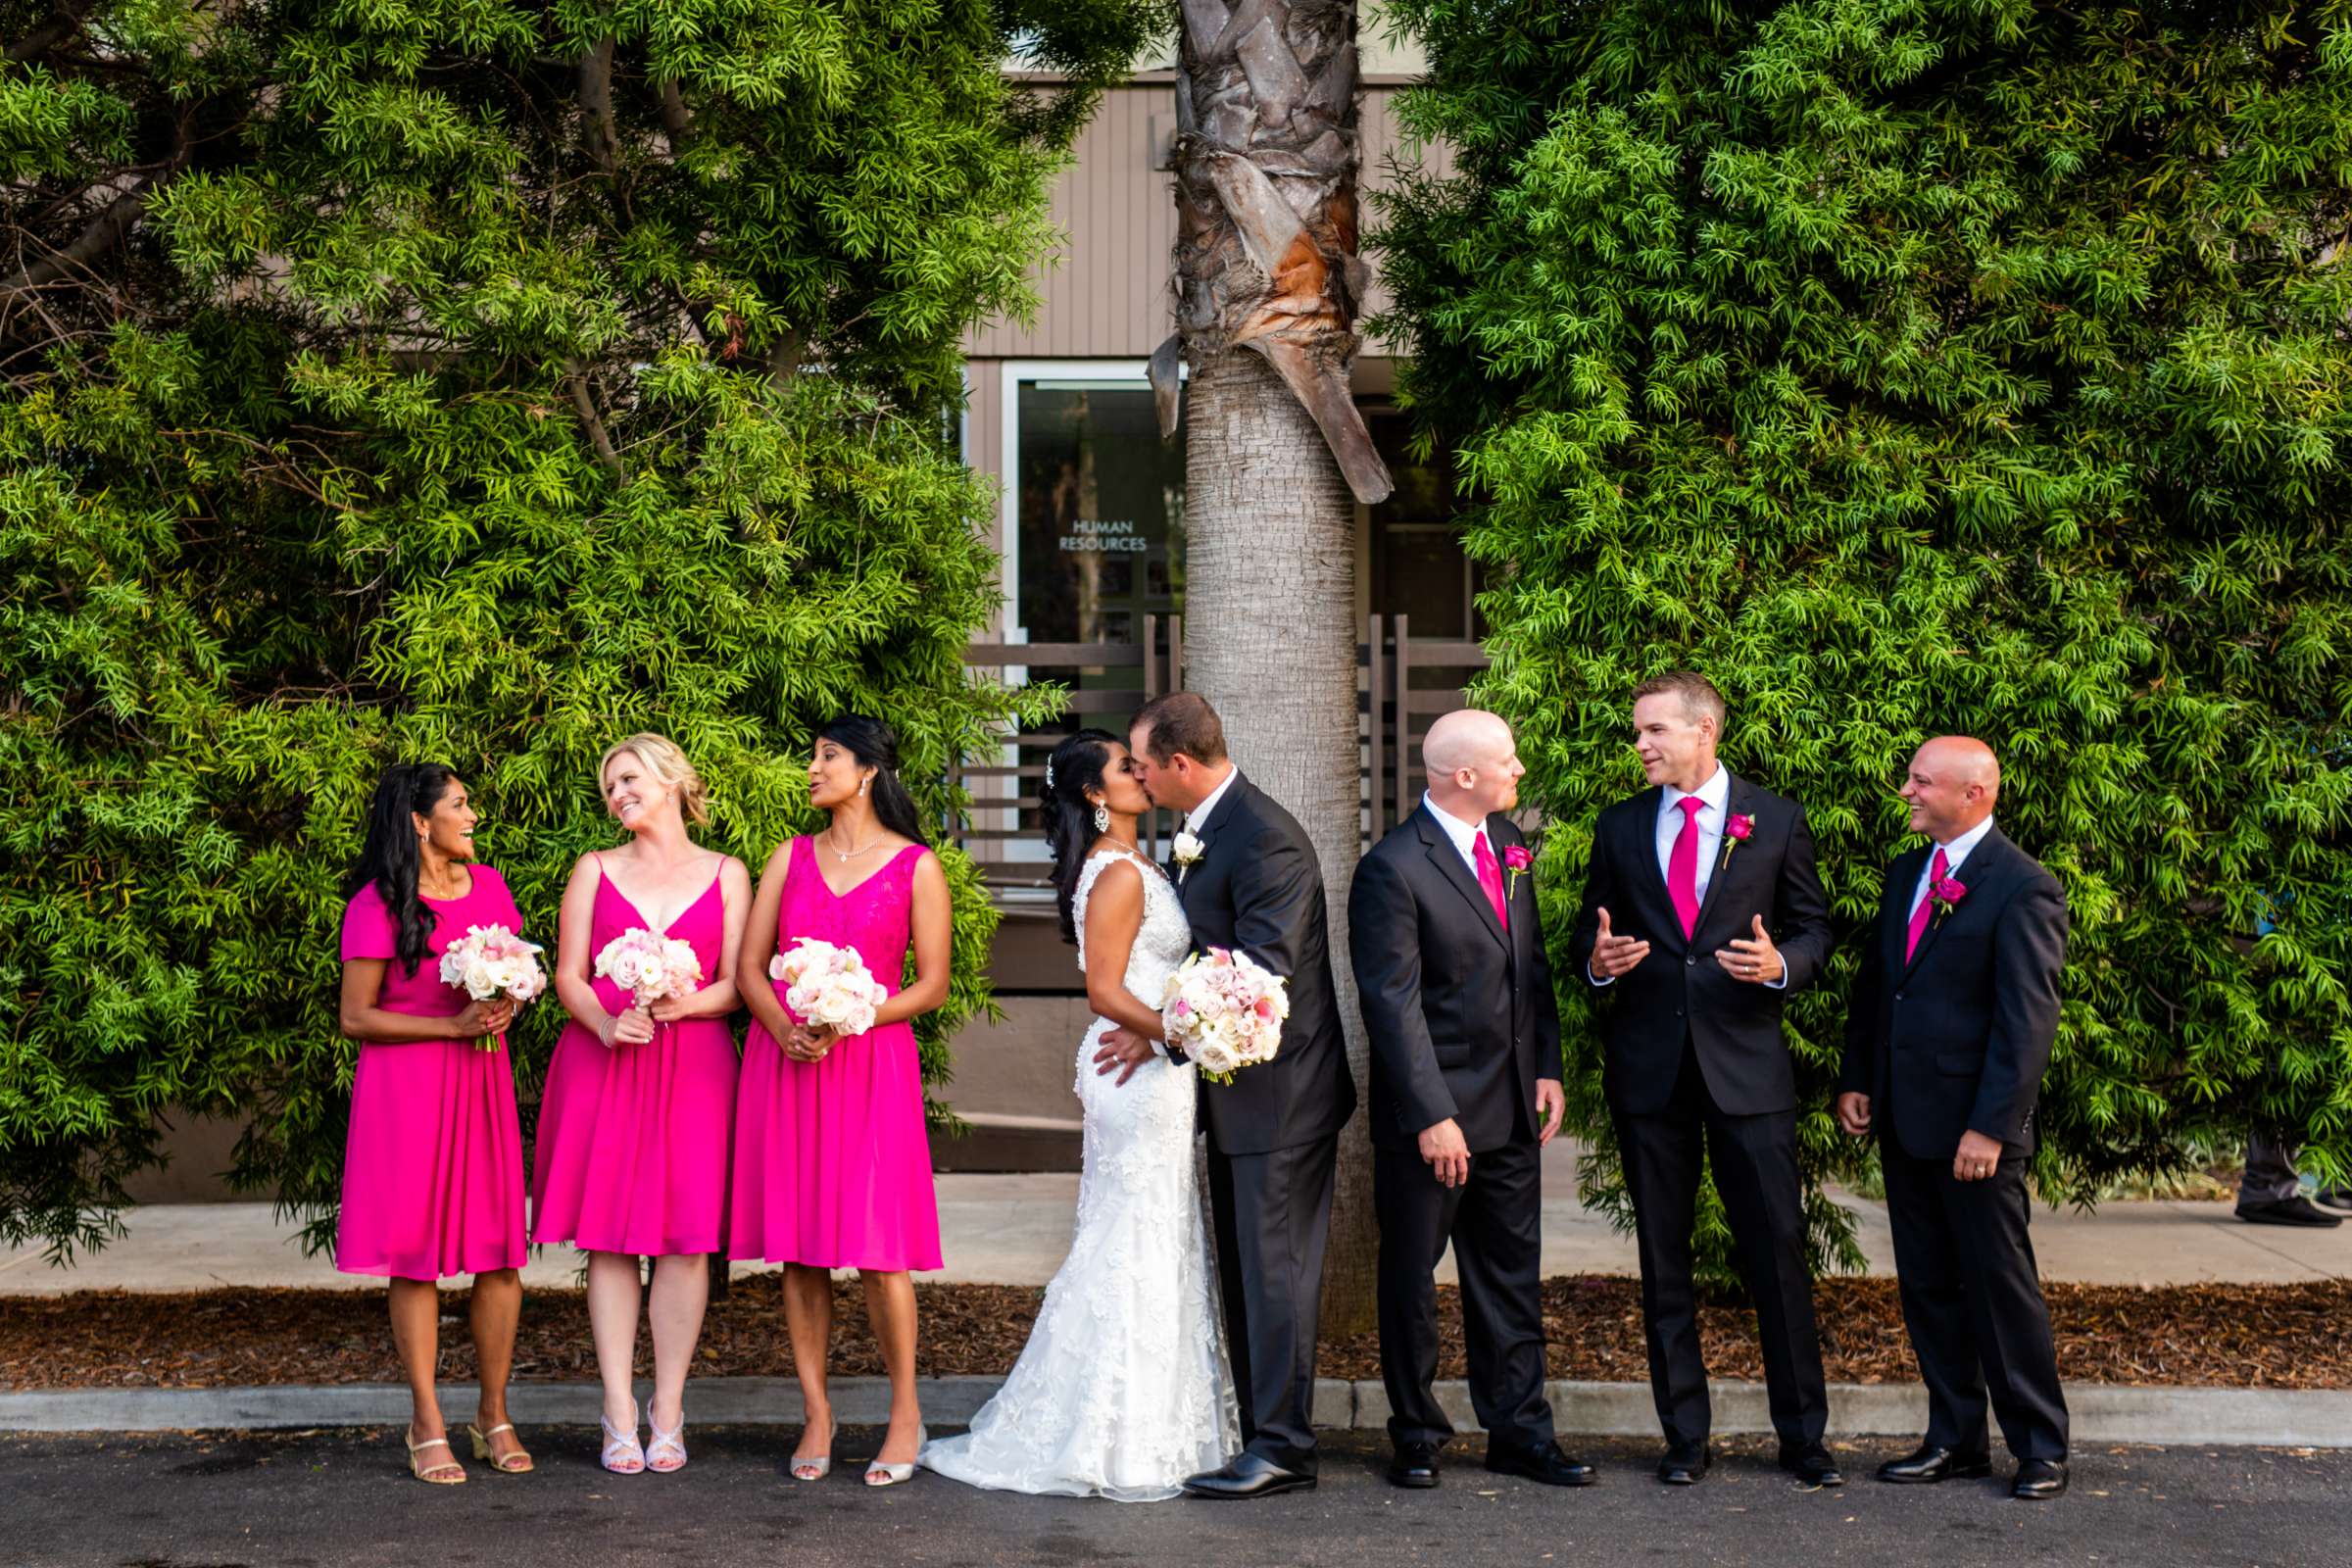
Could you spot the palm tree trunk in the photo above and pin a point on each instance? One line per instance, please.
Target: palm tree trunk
(1276, 456)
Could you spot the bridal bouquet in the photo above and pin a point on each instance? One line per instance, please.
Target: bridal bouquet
(829, 985)
(649, 967)
(490, 961)
(1226, 1011)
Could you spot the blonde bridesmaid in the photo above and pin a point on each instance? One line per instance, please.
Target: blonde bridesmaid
(432, 1168)
(633, 1132)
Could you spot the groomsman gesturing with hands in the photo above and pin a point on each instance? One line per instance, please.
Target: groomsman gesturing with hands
(1702, 910)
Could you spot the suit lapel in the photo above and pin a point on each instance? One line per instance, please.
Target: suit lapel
(1449, 862)
(1649, 876)
(1735, 799)
(1987, 861)
(1208, 835)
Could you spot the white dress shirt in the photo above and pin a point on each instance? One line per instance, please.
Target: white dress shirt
(1953, 854)
(1200, 813)
(1465, 835)
(1715, 796)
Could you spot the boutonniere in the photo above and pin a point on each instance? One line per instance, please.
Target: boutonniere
(1519, 862)
(1187, 850)
(1946, 896)
(1735, 831)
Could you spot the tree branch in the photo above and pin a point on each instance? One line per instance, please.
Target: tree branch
(577, 378)
(676, 118)
(596, 100)
(100, 235)
(52, 33)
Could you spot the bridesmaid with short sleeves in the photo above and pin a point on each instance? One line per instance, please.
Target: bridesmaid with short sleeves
(432, 1170)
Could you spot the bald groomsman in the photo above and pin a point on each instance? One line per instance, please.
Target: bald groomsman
(1702, 913)
(1951, 1025)
(1448, 956)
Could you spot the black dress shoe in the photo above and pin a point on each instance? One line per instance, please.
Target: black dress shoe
(1812, 1465)
(1251, 1475)
(1931, 1464)
(2296, 1211)
(2038, 1480)
(1413, 1464)
(1545, 1465)
(1682, 1467)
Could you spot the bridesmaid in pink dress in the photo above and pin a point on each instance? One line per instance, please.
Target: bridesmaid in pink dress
(432, 1170)
(833, 1162)
(632, 1146)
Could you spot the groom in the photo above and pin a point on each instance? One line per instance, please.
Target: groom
(1249, 880)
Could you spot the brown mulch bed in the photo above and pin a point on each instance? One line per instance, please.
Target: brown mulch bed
(2252, 1336)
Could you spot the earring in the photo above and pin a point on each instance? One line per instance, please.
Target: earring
(1102, 818)
(862, 784)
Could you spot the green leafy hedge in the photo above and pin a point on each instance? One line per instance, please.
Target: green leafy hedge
(1922, 365)
(476, 381)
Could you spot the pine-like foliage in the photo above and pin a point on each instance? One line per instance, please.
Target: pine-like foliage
(1924, 365)
(473, 380)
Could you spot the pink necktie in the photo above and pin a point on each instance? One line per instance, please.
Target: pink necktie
(1927, 904)
(1490, 877)
(1682, 867)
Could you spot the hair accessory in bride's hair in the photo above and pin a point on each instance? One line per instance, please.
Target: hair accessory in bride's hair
(1048, 773)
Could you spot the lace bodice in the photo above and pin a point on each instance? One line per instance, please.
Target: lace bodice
(1164, 939)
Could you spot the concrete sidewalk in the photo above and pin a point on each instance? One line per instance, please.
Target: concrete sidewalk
(1014, 1230)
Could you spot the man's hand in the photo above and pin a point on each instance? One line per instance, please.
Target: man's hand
(1448, 1154)
(1978, 1158)
(1854, 1113)
(1612, 955)
(1122, 1047)
(1754, 960)
(1551, 1108)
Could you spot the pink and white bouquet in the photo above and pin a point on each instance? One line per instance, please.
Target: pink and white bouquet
(650, 967)
(1226, 1010)
(829, 985)
(490, 961)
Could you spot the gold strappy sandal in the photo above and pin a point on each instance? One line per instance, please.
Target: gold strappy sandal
(434, 1475)
(517, 1463)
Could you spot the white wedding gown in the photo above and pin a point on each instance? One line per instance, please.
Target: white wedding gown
(1123, 1389)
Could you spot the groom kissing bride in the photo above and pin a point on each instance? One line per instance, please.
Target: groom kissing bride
(1248, 879)
(1123, 1391)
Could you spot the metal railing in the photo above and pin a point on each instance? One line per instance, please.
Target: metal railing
(1404, 686)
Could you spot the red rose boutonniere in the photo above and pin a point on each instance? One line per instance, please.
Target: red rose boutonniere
(1736, 831)
(1520, 863)
(1946, 896)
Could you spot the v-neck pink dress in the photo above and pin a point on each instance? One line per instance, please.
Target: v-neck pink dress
(632, 1146)
(833, 1160)
(432, 1167)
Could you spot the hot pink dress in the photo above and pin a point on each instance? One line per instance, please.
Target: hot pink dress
(833, 1167)
(432, 1169)
(632, 1154)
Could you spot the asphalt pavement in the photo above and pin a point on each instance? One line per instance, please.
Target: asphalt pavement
(329, 1498)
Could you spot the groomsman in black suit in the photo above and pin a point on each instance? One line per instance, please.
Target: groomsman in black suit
(1952, 1021)
(1450, 965)
(1702, 911)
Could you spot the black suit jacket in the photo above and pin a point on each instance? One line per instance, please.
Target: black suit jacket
(1460, 1013)
(1957, 1038)
(1679, 990)
(1258, 888)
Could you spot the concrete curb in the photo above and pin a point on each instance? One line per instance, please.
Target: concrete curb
(2101, 1413)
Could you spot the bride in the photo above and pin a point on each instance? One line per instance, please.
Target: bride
(1122, 1390)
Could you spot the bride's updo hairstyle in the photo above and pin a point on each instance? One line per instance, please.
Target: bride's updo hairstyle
(1075, 767)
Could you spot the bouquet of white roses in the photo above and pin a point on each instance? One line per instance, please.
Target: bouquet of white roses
(829, 985)
(490, 961)
(649, 967)
(1226, 1010)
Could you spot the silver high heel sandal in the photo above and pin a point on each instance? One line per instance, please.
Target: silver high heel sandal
(879, 1473)
(822, 1466)
(623, 1455)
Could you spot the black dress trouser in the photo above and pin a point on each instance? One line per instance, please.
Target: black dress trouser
(1972, 1302)
(1495, 1222)
(1755, 1160)
(1273, 1219)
